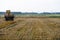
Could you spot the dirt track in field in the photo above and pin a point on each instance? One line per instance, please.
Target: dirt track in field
(32, 29)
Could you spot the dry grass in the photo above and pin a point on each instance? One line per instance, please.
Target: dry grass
(33, 29)
(6, 23)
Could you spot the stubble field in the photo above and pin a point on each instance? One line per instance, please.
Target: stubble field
(30, 29)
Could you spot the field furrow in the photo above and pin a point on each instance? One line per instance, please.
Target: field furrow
(32, 29)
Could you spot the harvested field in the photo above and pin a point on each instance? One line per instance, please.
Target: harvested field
(32, 29)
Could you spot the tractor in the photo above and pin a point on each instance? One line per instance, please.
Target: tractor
(9, 16)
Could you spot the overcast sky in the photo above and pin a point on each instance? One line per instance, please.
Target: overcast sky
(30, 5)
